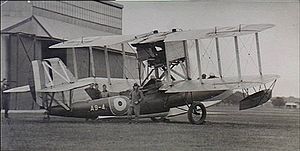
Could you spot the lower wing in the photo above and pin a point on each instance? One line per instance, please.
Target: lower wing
(226, 83)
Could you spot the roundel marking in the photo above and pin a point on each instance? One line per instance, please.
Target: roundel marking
(120, 104)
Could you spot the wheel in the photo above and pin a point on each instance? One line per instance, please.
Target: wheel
(197, 113)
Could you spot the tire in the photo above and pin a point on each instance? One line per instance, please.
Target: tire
(197, 113)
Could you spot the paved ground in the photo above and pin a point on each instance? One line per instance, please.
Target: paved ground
(225, 129)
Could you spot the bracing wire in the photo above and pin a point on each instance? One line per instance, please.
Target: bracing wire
(230, 66)
(119, 64)
(175, 50)
(249, 52)
(241, 50)
(208, 54)
(232, 60)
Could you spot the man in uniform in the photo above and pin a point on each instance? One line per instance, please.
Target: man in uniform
(104, 93)
(93, 91)
(5, 98)
(136, 97)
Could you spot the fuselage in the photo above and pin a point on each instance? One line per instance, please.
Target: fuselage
(155, 101)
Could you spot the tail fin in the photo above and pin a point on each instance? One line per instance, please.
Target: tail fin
(38, 75)
(48, 73)
(51, 72)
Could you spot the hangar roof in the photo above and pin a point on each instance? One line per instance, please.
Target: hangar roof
(45, 27)
(46, 19)
(111, 3)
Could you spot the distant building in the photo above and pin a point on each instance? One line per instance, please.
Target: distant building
(291, 105)
(29, 28)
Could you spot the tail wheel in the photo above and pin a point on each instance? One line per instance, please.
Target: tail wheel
(197, 113)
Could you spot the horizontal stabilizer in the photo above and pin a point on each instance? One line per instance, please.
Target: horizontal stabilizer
(66, 87)
(25, 88)
(256, 99)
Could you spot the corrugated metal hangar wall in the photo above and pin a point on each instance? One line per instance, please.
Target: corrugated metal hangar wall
(29, 28)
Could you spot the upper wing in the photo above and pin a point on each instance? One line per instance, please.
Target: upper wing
(99, 41)
(226, 83)
(230, 31)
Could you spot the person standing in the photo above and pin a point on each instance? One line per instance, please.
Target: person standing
(5, 99)
(136, 97)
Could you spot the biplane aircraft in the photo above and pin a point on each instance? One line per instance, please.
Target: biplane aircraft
(169, 94)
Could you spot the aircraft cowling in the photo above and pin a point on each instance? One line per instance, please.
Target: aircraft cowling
(118, 105)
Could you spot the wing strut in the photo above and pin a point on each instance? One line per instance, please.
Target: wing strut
(92, 61)
(218, 56)
(237, 53)
(198, 60)
(124, 61)
(74, 62)
(258, 54)
(168, 76)
(107, 65)
(71, 97)
(187, 60)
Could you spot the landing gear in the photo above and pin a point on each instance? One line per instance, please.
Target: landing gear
(197, 113)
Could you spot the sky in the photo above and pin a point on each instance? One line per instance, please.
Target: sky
(279, 45)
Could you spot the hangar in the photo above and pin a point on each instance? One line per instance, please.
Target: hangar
(28, 28)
